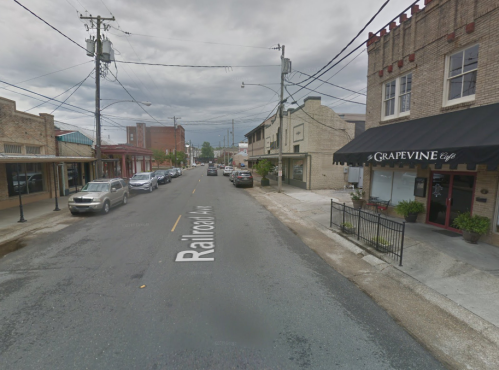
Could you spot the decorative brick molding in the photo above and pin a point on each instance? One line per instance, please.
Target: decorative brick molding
(412, 57)
(414, 9)
(383, 32)
(426, 2)
(403, 18)
(390, 68)
(392, 26)
(451, 37)
(380, 73)
(400, 63)
(457, 106)
(372, 38)
(470, 27)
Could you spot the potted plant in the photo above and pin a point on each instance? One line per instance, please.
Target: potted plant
(348, 228)
(409, 209)
(263, 168)
(381, 242)
(357, 198)
(472, 226)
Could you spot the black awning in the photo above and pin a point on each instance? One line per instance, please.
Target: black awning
(469, 136)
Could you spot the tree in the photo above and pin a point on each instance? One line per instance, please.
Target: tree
(207, 150)
(263, 167)
(175, 158)
(159, 156)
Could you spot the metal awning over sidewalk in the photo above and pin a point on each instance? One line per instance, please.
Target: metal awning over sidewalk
(469, 136)
(12, 158)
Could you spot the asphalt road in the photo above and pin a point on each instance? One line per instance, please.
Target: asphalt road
(73, 299)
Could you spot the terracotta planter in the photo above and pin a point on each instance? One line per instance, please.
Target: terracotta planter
(358, 203)
(265, 182)
(470, 237)
(411, 217)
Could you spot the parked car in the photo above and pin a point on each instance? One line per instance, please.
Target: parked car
(179, 171)
(228, 170)
(232, 174)
(173, 172)
(222, 166)
(163, 176)
(202, 164)
(212, 171)
(243, 178)
(194, 165)
(99, 196)
(144, 181)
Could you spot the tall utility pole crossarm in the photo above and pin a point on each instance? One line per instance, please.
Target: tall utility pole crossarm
(98, 53)
(279, 177)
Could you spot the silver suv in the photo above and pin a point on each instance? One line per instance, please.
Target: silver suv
(99, 196)
(144, 181)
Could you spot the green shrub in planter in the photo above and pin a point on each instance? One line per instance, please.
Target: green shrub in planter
(472, 226)
(409, 209)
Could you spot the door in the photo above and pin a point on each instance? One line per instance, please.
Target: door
(451, 194)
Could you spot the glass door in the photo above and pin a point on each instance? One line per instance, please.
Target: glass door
(451, 194)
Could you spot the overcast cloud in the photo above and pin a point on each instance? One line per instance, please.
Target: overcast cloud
(184, 32)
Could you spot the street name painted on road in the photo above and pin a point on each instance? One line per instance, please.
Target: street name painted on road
(203, 236)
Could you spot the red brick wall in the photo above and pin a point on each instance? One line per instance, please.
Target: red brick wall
(164, 138)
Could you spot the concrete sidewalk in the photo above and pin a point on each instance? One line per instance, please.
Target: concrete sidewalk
(464, 273)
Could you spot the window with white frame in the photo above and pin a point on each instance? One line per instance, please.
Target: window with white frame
(461, 74)
(397, 97)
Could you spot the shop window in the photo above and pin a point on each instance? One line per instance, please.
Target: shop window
(297, 169)
(397, 97)
(29, 180)
(74, 175)
(393, 186)
(461, 75)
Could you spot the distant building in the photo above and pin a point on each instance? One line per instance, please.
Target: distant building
(156, 137)
(358, 119)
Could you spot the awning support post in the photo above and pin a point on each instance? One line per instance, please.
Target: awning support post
(54, 168)
(19, 190)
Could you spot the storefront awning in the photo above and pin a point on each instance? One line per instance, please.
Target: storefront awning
(469, 136)
(12, 158)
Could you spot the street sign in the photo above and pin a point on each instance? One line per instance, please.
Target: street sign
(280, 173)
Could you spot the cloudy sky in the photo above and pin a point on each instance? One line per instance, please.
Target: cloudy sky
(240, 34)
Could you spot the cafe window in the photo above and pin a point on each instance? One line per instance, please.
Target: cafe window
(297, 168)
(397, 97)
(461, 75)
(30, 178)
(393, 186)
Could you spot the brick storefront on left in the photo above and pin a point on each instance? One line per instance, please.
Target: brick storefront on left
(28, 157)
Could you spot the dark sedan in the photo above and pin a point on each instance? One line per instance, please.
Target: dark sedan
(212, 171)
(173, 173)
(243, 178)
(163, 176)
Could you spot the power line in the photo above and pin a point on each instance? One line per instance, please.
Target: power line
(331, 96)
(48, 24)
(51, 73)
(193, 66)
(187, 40)
(323, 124)
(325, 81)
(70, 95)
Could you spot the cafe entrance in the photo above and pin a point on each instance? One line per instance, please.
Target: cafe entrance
(451, 194)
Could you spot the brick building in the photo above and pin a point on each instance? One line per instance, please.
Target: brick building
(311, 134)
(432, 112)
(156, 137)
(28, 156)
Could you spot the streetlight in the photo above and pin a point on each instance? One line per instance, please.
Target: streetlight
(146, 103)
(243, 85)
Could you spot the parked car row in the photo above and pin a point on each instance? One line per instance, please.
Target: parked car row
(101, 194)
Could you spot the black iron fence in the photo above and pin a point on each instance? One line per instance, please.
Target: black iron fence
(387, 236)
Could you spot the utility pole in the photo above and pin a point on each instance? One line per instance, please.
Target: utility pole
(98, 53)
(224, 149)
(279, 174)
(232, 133)
(175, 129)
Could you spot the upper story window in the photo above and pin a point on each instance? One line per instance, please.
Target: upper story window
(461, 74)
(397, 97)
